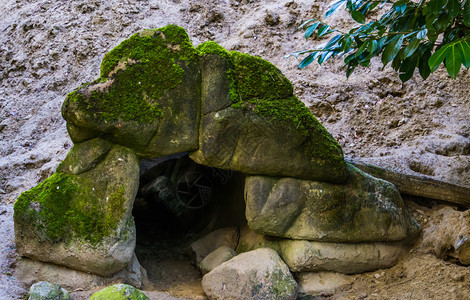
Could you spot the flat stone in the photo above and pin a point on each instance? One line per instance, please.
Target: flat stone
(30, 271)
(346, 258)
(147, 97)
(247, 142)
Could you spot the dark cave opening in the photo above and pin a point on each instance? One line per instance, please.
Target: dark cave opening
(180, 199)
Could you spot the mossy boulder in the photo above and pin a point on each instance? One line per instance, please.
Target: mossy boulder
(44, 290)
(258, 274)
(364, 209)
(253, 123)
(80, 217)
(159, 95)
(119, 292)
(147, 97)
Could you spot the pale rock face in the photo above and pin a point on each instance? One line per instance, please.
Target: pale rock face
(258, 274)
(448, 234)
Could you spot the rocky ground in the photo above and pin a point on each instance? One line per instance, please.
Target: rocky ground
(48, 48)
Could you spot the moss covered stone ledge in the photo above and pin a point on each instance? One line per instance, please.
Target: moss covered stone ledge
(159, 95)
(147, 96)
(252, 122)
(80, 217)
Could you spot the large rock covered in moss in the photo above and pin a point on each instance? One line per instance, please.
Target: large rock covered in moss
(44, 290)
(364, 209)
(80, 217)
(253, 123)
(147, 97)
(258, 274)
(159, 95)
(119, 292)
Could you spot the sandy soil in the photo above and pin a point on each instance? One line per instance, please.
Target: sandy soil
(48, 48)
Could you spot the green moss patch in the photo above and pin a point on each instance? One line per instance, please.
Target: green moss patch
(211, 47)
(62, 207)
(119, 292)
(254, 79)
(259, 86)
(135, 74)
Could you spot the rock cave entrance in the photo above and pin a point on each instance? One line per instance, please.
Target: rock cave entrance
(180, 199)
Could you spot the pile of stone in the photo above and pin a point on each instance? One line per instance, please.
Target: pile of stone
(157, 95)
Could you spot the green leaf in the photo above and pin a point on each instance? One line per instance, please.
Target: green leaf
(411, 47)
(347, 42)
(349, 58)
(308, 60)
(362, 48)
(333, 41)
(381, 42)
(407, 67)
(311, 30)
(372, 46)
(350, 70)
(323, 30)
(423, 65)
(430, 24)
(443, 22)
(438, 57)
(422, 34)
(358, 17)
(466, 13)
(453, 7)
(464, 47)
(434, 6)
(453, 61)
(305, 24)
(325, 56)
(392, 48)
(400, 8)
(334, 7)
(397, 61)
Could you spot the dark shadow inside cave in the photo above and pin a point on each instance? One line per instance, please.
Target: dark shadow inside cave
(179, 198)
(179, 201)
